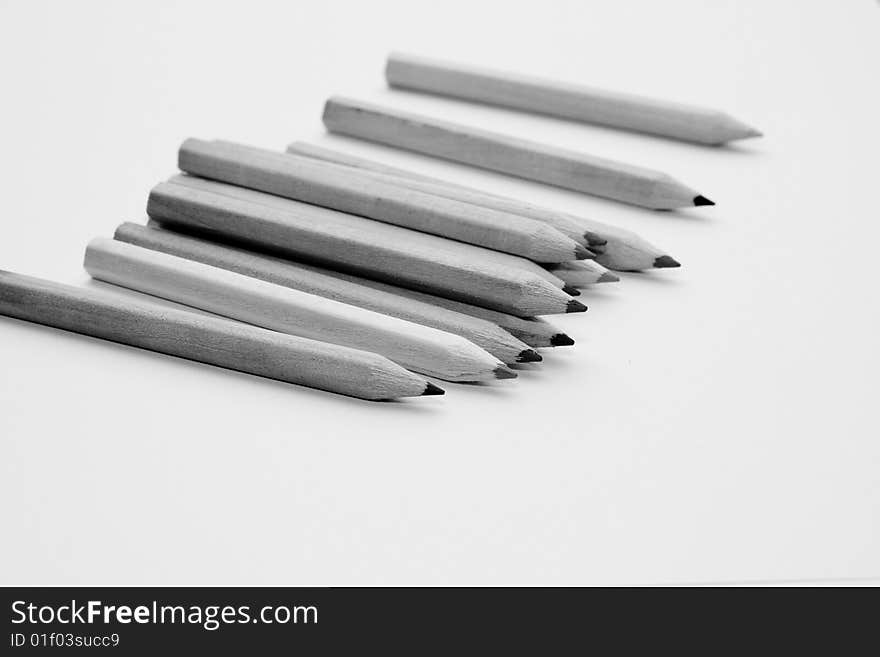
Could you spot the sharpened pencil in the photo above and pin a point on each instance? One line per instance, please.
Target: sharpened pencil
(211, 340)
(691, 123)
(577, 276)
(517, 157)
(416, 347)
(617, 249)
(322, 282)
(288, 205)
(364, 247)
(367, 194)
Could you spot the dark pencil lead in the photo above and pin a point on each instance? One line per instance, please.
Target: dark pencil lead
(595, 240)
(583, 253)
(702, 200)
(608, 277)
(666, 261)
(561, 340)
(570, 289)
(529, 356)
(503, 372)
(431, 389)
(575, 306)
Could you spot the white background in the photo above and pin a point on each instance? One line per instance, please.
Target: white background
(713, 423)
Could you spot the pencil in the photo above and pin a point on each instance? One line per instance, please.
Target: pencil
(517, 157)
(288, 205)
(617, 248)
(576, 275)
(534, 331)
(367, 194)
(418, 348)
(211, 340)
(691, 123)
(315, 280)
(363, 246)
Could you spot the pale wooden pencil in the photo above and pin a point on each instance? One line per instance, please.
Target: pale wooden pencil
(315, 280)
(368, 195)
(518, 157)
(289, 205)
(416, 347)
(616, 248)
(363, 246)
(576, 276)
(211, 340)
(534, 331)
(568, 101)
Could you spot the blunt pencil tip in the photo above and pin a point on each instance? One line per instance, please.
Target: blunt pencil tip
(431, 389)
(561, 340)
(529, 356)
(572, 290)
(608, 277)
(575, 306)
(504, 372)
(594, 239)
(666, 261)
(702, 200)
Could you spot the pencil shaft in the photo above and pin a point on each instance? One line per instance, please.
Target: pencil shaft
(361, 246)
(580, 103)
(289, 205)
(209, 340)
(368, 194)
(618, 249)
(518, 157)
(315, 280)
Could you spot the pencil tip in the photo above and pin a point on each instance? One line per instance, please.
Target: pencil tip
(570, 289)
(594, 240)
(575, 306)
(666, 261)
(529, 356)
(504, 372)
(583, 253)
(702, 200)
(608, 277)
(431, 389)
(561, 340)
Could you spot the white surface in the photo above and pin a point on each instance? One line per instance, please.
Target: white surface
(713, 423)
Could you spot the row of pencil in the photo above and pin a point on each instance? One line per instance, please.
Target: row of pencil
(344, 274)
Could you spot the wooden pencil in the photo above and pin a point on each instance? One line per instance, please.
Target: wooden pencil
(315, 280)
(288, 205)
(534, 331)
(211, 340)
(616, 248)
(568, 101)
(363, 246)
(368, 195)
(575, 275)
(416, 347)
(517, 157)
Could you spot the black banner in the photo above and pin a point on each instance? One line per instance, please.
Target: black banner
(129, 620)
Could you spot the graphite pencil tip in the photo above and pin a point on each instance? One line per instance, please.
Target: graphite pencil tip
(504, 372)
(608, 277)
(575, 306)
(666, 261)
(594, 239)
(583, 253)
(570, 289)
(561, 340)
(431, 389)
(529, 356)
(699, 199)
